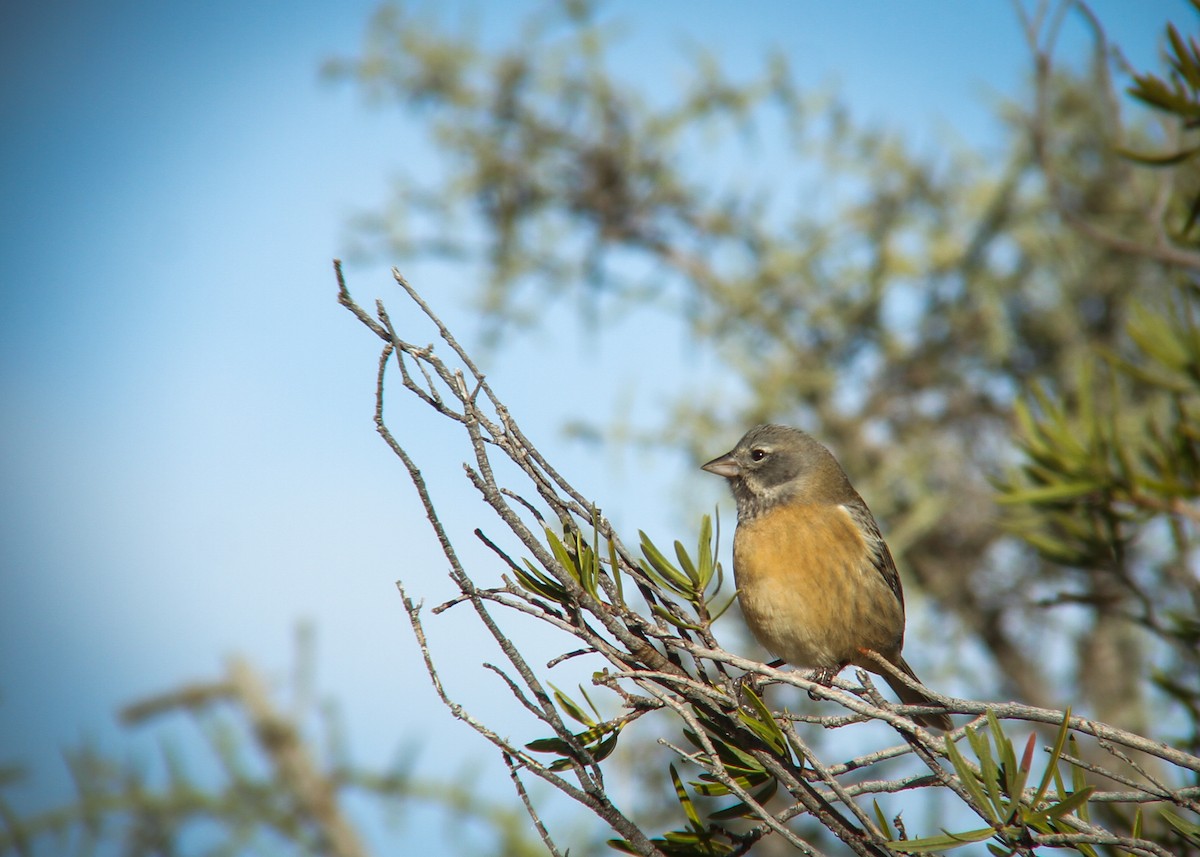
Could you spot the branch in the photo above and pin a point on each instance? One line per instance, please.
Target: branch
(572, 585)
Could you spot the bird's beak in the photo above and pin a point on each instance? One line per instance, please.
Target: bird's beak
(724, 466)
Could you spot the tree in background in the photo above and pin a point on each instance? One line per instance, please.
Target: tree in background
(900, 306)
(1004, 354)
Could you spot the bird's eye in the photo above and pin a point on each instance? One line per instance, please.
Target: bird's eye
(758, 454)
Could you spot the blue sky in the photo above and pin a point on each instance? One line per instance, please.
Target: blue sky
(189, 464)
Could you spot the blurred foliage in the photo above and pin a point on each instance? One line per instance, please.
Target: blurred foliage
(249, 777)
(1178, 96)
(1097, 477)
(898, 303)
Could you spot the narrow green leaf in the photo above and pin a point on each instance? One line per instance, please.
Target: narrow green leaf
(968, 778)
(741, 809)
(945, 842)
(732, 756)
(1048, 493)
(989, 771)
(666, 615)
(588, 700)
(573, 710)
(689, 567)
(764, 724)
(604, 749)
(616, 571)
(709, 786)
(589, 567)
(1187, 829)
(1060, 741)
(881, 820)
(589, 738)
(1026, 426)
(560, 554)
(1053, 549)
(540, 583)
(1071, 804)
(704, 554)
(1014, 777)
(1060, 788)
(685, 800)
(1183, 61)
(659, 567)
(1170, 159)
(549, 745)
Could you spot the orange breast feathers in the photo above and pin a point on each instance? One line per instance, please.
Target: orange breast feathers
(808, 588)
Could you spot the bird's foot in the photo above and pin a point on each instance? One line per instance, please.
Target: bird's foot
(744, 682)
(823, 676)
(754, 682)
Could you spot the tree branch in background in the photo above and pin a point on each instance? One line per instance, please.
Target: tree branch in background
(255, 782)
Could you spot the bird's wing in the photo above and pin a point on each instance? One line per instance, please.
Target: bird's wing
(881, 557)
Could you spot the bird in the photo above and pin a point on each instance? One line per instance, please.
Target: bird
(816, 582)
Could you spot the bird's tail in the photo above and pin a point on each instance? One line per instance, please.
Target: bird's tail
(912, 696)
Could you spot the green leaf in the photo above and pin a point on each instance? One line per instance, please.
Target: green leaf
(741, 809)
(989, 772)
(1183, 59)
(968, 778)
(1048, 493)
(1170, 159)
(685, 800)
(560, 746)
(689, 567)
(1157, 338)
(1060, 741)
(573, 710)
(1054, 549)
(704, 553)
(1187, 829)
(734, 757)
(882, 821)
(945, 842)
(605, 748)
(1071, 804)
(582, 565)
(1014, 774)
(709, 786)
(661, 569)
(667, 616)
(615, 566)
(764, 725)
(549, 745)
(541, 584)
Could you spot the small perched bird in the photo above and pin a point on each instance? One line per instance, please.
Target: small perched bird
(816, 582)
